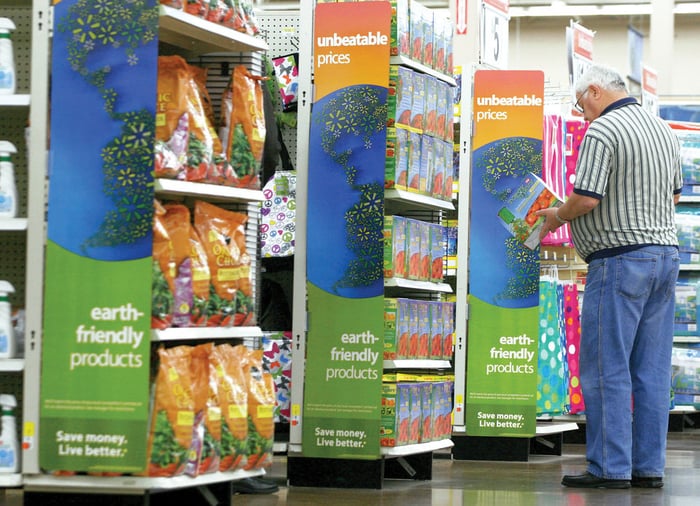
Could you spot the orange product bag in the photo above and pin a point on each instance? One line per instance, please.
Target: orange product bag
(227, 362)
(261, 406)
(243, 126)
(180, 118)
(198, 8)
(172, 418)
(201, 281)
(163, 275)
(205, 449)
(177, 224)
(222, 233)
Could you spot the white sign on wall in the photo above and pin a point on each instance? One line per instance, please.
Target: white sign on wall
(494, 33)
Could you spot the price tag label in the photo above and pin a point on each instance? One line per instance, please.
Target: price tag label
(494, 34)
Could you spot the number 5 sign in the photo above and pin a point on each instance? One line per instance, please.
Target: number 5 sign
(494, 33)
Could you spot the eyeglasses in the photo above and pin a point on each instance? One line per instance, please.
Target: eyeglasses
(578, 105)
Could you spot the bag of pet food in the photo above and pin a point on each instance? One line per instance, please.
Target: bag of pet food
(222, 233)
(228, 361)
(163, 274)
(243, 126)
(261, 406)
(172, 418)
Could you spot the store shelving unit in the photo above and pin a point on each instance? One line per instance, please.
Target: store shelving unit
(14, 240)
(192, 36)
(409, 461)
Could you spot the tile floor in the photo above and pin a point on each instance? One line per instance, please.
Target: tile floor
(536, 482)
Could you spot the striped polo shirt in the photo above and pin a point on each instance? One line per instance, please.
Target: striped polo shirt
(630, 161)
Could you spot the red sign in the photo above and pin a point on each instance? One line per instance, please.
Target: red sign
(461, 17)
(501, 5)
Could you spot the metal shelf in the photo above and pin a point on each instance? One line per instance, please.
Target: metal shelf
(12, 224)
(11, 365)
(127, 484)
(211, 192)
(394, 196)
(401, 451)
(21, 100)
(407, 62)
(417, 285)
(199, 36)
(417, 364)
(204, 333)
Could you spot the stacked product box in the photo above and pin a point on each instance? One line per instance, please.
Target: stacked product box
(400, 97)
(414, 160)
(400, 28)
(685, 319)
(448, 329)
(395, 261)
(416, 412)
(416, 28)
(424, 329)
(437, 238)
(426, 429)
(413, 240)
(688, 229)
(415, 408)
(397, 158)
(436, 328)
(418, 329)
(395, 412)
(414, 249)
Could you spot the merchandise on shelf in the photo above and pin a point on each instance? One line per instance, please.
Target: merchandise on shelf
(395, 261)
(8, 344)
(688, 229)
(188, 146)
(8, 188)
(685, 322)
(400, 29)
(201, 271)
(238, 15)
(417, 329)
(416, 408)
(685, 361)
(212, 411)
(397, 158)
(9, 446)
(278, 215)
(8, 81)
(278, 360)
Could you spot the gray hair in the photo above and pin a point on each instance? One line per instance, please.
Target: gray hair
(600, 75)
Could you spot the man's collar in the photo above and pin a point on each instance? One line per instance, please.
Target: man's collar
(619, 103)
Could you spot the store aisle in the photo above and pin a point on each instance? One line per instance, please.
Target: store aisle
(472, 483)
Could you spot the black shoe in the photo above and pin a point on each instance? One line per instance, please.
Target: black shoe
(647, 481)
(254, 486)
(587, 480)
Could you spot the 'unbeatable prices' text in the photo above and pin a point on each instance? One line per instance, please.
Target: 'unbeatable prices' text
(328, 57)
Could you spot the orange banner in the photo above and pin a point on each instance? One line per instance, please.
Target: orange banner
(507, 103)
(351, 43)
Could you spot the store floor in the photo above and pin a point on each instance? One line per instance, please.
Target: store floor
(489, 483)
(476, 483)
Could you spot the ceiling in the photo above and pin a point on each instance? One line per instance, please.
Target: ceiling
(520, 8)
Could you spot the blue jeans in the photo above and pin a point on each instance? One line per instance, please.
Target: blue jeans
(625, 361)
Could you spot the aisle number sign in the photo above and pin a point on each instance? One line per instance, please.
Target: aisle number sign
(345, 286)
(494, 33)
(97, 302)
(650, 94)
(504, 271)
(579, 40)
